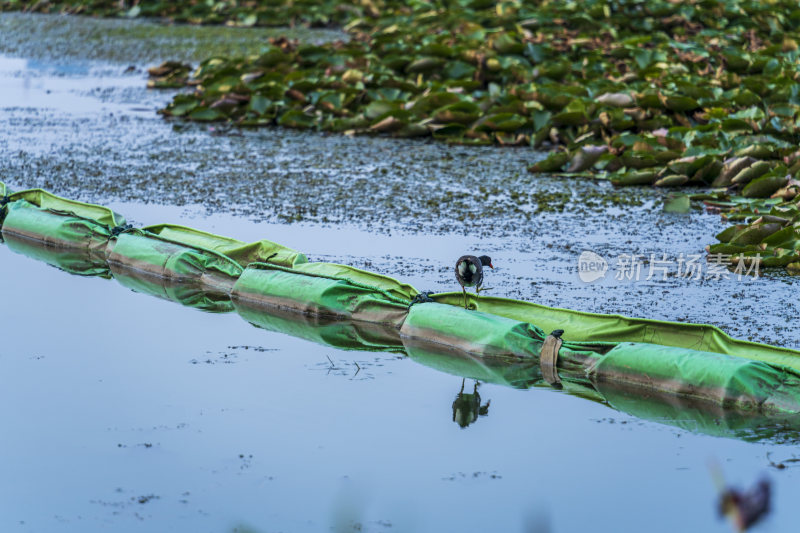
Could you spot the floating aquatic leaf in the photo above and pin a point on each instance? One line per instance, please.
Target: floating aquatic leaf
(615, 99)
(586, 157)
(425, 64)
(296, 119)
(677, 204)
(412, 130)
(730, 169)
(680, 103)
(637, 177)
(639, 159)
(728, 233)
(752, 172)
(674, 180)
(461, 113)
(388, 125)
(206, 115)
(505, 122)
(380, 109)
(505, 43)
(551, 163)
(260, 104)
(758, 151)
(709, 172)
(430, 102)
(684, 165)
(569, 118)
(764, 186)
(788, 192)
(352, 76)
(754, 234)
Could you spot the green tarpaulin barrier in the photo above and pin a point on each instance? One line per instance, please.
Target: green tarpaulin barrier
(717, 378)
(314, 292)
(472, 332)
(580, 326)
(712, 377)
(157, 256)
(48, 201)
(62, 229)
(356, 276)
(240, 252)
(276, 288)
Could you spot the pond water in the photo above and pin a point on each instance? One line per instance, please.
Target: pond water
(129, 413)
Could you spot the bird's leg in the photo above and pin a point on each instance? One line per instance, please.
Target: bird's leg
(465, 297)
(462, 385)
(479, 289)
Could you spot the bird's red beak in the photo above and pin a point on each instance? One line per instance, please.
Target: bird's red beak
(490, 266)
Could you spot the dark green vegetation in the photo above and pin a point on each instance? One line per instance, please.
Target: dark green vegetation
(699, 93)
(766, 232)
(272, 13)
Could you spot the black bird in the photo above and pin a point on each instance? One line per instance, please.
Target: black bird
(745, 508)
(469, 272)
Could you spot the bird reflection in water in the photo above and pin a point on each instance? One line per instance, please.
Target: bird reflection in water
(467, 407)
(744, 508)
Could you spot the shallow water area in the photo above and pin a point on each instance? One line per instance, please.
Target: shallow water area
(146, 414)
(129, 413)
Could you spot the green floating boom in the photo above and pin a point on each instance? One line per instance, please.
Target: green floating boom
(53, 227)
(156, 256)
(313, 291)
(497, 339)
(240, 252)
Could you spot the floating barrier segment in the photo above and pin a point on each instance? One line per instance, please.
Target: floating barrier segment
(325, 290)
(581, 326)
(37, 215)
(273, 287)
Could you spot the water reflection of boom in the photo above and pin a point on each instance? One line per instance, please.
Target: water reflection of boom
(327, 331)
(189, 293)
(91, 262)
(79, 262)
(702, 417)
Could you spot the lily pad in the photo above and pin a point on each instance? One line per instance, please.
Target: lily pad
(677, 204)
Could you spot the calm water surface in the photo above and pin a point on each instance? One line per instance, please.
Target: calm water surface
(130, 413)
(124, 412)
